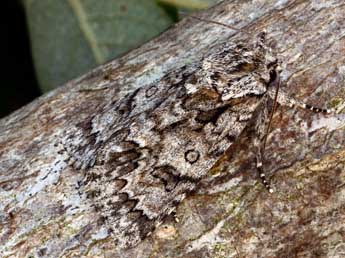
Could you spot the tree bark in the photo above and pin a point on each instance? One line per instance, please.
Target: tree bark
(230, 215)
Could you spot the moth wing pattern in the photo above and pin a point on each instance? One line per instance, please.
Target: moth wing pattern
(143, 153)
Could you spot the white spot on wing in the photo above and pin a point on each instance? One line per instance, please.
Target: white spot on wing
(191, 88)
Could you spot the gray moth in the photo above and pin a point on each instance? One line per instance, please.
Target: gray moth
(142, 154)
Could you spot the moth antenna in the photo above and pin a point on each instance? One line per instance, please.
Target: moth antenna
(275, 102)
(218, 23)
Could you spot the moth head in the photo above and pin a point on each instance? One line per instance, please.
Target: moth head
(237, 69)
(266, 49)
(274, 69)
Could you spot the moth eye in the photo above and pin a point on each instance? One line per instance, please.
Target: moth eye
(215, 76)
(191, 156)
(273, 75)
(151, 91)
(273, 64)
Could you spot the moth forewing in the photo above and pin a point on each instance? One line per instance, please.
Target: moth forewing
(152, 147)
(147, 151)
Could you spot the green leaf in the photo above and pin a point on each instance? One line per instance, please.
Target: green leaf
(190, 4)
(69, 37)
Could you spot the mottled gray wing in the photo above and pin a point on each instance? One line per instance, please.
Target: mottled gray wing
(145, 152)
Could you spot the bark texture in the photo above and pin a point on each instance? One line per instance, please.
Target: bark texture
(230, 214)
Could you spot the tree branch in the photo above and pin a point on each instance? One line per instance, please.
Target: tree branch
(230, 215)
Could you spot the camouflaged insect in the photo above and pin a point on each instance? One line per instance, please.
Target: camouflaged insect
(143, 153)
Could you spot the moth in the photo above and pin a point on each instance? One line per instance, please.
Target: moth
(142, 154)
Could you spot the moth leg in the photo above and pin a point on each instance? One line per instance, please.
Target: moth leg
(261, 126)
(285, 100)
(259, 166)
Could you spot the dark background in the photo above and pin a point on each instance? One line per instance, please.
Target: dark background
(18, 76)
(18, 81)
